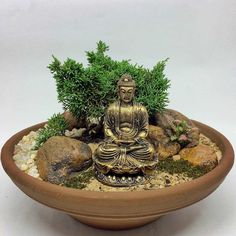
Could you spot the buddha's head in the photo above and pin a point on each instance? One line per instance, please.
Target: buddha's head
(126, 88)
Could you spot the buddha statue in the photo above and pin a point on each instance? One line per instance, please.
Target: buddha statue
(125, 157)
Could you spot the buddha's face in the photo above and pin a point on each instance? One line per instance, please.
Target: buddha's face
(126, 94)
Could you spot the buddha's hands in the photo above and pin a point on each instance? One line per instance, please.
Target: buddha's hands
(138, 140)
(126, 142)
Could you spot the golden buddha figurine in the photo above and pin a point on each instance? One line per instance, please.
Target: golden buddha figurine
(125, 157)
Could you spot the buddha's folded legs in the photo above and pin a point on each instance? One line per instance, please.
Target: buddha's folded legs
(112, 150)
(107, 151)
(146, 152)
(136, 159)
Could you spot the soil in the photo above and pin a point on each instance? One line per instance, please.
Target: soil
(158, 180)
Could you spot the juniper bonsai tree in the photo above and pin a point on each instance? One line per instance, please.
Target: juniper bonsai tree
(87, 91)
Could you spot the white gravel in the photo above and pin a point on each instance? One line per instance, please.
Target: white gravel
(24, 156)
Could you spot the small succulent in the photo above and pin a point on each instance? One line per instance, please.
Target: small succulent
(181, 129)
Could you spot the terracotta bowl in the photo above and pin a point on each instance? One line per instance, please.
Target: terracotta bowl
(119, 210)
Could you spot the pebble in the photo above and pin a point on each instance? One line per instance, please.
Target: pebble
(75, 133)
(176, 157)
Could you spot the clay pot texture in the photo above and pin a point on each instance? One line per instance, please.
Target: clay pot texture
(119, 210)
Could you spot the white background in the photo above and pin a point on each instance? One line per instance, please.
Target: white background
(199, 37)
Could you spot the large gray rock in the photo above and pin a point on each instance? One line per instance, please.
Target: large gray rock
(61, 156)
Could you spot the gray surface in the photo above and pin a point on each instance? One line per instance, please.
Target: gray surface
(198, 36)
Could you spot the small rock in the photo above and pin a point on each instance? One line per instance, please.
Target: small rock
(33, 172)
(167, 150)
(201, 155)
(167, 181)
(60, 156)
(157, 135)
(24, 167)
(176, 157)
(75, 133)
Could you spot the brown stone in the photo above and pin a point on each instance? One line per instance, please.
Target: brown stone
(167, 121)
(167, 150)
(60, 156)
(157, 135)
(71, 120)
(201, 155)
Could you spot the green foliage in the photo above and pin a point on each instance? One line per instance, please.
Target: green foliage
(56, 126)
(181, 166)
(80, 180)
(152, 88)
(88, 91)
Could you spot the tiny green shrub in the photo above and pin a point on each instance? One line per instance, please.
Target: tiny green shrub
(56, 126)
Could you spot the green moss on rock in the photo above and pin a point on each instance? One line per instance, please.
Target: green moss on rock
(80, 180)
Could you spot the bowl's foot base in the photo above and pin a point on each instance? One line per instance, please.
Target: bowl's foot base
(115, 223)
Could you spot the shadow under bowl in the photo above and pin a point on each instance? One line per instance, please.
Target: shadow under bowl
(119, 210)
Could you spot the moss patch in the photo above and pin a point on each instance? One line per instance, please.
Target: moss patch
(181, 166)
(81, 180)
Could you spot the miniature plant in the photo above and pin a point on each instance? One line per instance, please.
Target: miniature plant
(86, 92)
(56, 126)
(180, 131)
